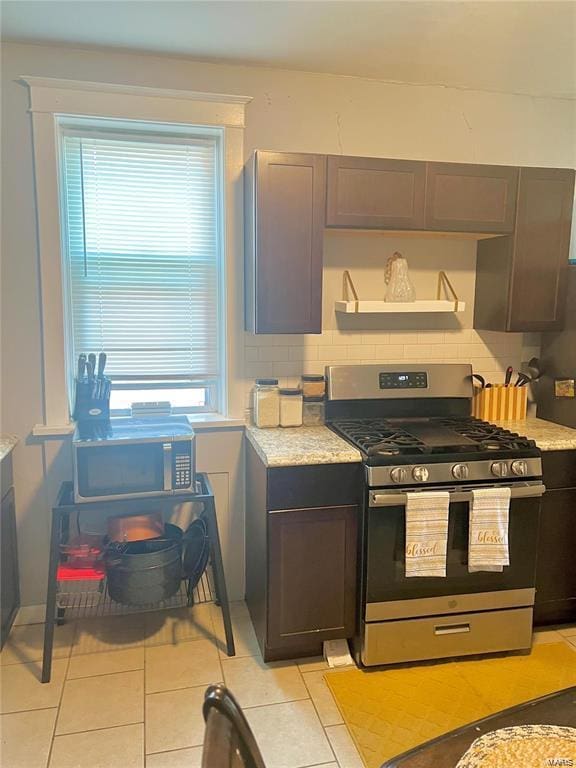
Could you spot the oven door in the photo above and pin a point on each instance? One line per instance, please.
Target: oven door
(389, 594)
(122, 470)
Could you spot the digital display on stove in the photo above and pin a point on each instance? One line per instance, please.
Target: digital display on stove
(418, 380)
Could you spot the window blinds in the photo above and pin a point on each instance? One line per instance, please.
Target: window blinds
(141, 220)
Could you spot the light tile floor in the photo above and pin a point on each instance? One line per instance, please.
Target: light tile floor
(127, 693)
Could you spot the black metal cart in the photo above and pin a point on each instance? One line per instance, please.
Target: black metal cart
(77, 601)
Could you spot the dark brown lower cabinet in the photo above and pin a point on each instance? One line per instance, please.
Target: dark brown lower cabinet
(312, 575)
(301, 555)
(9, 576)
(556, 567)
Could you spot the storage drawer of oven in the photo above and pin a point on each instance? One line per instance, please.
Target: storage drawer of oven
(393, 642)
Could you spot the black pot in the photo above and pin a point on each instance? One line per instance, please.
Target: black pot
(145, 572)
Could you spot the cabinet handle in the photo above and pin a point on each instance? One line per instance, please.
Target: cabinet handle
(451, 629)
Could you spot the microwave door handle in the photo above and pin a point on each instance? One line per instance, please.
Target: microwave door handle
(167, 453)
(399, 499)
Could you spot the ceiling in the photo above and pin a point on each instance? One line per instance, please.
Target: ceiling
(518, 47)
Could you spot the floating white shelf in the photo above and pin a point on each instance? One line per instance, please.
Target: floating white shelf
(399, 307)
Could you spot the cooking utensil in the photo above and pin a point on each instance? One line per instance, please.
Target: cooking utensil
(522, 380)
(145, 572)
(534, 368)
(508, 376)
(123, 528)
(92, 360)
(196, 550)
(480, 379)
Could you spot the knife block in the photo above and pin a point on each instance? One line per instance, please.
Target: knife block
(87, 406)
(500, 403)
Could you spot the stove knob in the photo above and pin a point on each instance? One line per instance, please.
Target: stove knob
(420, 474)
(519, 468)
(398, 474)
(499, 469)
(460, 471)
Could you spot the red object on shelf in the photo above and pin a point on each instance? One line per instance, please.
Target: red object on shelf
(66, 573)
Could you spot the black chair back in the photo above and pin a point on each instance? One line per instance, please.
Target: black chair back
(228, 740)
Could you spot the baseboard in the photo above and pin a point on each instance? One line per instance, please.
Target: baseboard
(30, 614)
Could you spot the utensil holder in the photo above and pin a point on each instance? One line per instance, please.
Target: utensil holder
(88, 406)
(500, 403)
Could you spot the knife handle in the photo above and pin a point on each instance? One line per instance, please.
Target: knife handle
(101, 363)
(81, 367)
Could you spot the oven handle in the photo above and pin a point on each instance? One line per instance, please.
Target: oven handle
(394, 499)
(167, 453)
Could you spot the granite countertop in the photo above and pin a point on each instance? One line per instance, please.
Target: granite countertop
(7, 443)
(547, 435)
(297, 446)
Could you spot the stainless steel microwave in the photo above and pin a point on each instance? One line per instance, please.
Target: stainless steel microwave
(127, 458)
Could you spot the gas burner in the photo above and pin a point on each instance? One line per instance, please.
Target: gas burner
(491, 445)
(382, 438)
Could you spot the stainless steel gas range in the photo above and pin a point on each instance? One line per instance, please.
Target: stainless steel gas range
(413, 427)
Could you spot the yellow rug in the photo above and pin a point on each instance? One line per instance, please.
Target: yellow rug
(390, 711)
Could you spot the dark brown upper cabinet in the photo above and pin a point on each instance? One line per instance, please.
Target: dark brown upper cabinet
(285, 203)
(373, 193)
(470, 198)
(520, 279)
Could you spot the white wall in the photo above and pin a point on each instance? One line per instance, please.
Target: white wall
(291, 111)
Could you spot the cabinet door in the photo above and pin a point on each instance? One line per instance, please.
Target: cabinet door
(289, 214)
(312, 575)
(10, 591)
(542, 243)
(470, 198)
(368, 192)
(555, 572)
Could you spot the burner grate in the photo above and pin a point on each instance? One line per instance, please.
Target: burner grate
(388, 437)
(380, 437)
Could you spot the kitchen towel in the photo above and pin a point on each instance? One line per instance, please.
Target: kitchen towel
(488, 530)
(426, 533)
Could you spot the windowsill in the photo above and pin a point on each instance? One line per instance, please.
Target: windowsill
(215, 421)
(200, 422)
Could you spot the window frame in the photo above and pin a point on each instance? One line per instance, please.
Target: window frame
(70, 125)
(49, 98)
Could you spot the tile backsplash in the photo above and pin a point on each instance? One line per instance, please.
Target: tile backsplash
(287, 357)
(364, 339)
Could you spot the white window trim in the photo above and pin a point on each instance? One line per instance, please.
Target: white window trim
(51, 97)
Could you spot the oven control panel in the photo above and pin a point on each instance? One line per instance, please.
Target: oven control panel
(411, 380)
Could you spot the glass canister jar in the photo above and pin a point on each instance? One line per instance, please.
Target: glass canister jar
(313, 385)
(290, 407)
(400, 287)
(313, 411)
(266, 403)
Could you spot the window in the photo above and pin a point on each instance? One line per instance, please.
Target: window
(141, 209)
